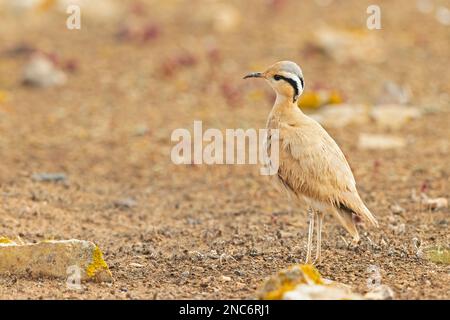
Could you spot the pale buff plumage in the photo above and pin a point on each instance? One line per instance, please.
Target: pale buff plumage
(312, 167)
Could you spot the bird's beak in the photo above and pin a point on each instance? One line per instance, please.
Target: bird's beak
(254, 75)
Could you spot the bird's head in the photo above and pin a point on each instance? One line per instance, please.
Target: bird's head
(285, 77)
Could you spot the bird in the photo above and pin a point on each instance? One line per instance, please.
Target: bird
(311, 166)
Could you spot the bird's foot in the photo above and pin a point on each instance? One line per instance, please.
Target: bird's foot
(317, 262)
(354, 244)
(308, 260)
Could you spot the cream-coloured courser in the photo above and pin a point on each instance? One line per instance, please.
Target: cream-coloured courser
(312, 168)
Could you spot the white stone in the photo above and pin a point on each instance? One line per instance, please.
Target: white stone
(41, 72)
(394, 116)
(380, 141)
(341, 115)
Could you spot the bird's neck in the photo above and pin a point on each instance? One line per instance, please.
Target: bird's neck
(285, 104)
(285, 110)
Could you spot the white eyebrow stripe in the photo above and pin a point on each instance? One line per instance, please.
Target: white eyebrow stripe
(293, 76)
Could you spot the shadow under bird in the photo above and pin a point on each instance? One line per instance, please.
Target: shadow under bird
(312, 168)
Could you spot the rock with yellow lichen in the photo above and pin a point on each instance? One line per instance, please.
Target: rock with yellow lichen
(53, 259)
(437, 254)
(315, 99)
(6, 241)
(303, 282)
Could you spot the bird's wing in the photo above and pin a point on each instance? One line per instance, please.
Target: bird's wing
(312, 164)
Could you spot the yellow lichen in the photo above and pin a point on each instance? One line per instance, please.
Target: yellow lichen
(288, 279)
(5, 240)
(310, 100)
(311, 273)
(3, 96)
(316, 99)
(278, 293)
(438, 254)
(97, 264)
(335, 98)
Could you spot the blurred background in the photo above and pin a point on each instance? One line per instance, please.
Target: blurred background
(86, 117)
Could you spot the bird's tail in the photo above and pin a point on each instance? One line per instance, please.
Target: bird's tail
(366, 214)
(354, 204)
(346, 219)
(345, 216)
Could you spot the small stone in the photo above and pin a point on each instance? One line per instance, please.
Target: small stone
(394, 93)
(49, 177)
(429, 203)
(396, 209)
(185, 274)
(125, 203)
(436, 203)
(398, 229)
(42, 72)
(283, 234)
(239, 273)
(443, 15)
(141, 130)
(213, 254)
(136, 265)
(225, 279)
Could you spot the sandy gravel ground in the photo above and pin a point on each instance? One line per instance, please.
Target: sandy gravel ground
(108, 129)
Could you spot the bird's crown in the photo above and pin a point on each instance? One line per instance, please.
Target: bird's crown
(287, 67)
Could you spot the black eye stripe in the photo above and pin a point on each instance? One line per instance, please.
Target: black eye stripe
(278, 77)
(292, 82)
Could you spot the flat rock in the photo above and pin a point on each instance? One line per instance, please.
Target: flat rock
(350, 45)
(380, 141)
(303, 282)
(381, 292)
(341, 115)
(394, 116)
(54, 259)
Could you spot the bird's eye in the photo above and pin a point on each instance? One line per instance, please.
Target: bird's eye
(277, 77)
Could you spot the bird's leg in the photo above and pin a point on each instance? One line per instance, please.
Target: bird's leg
(355, 240)
(310, 235)
(319, 237)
